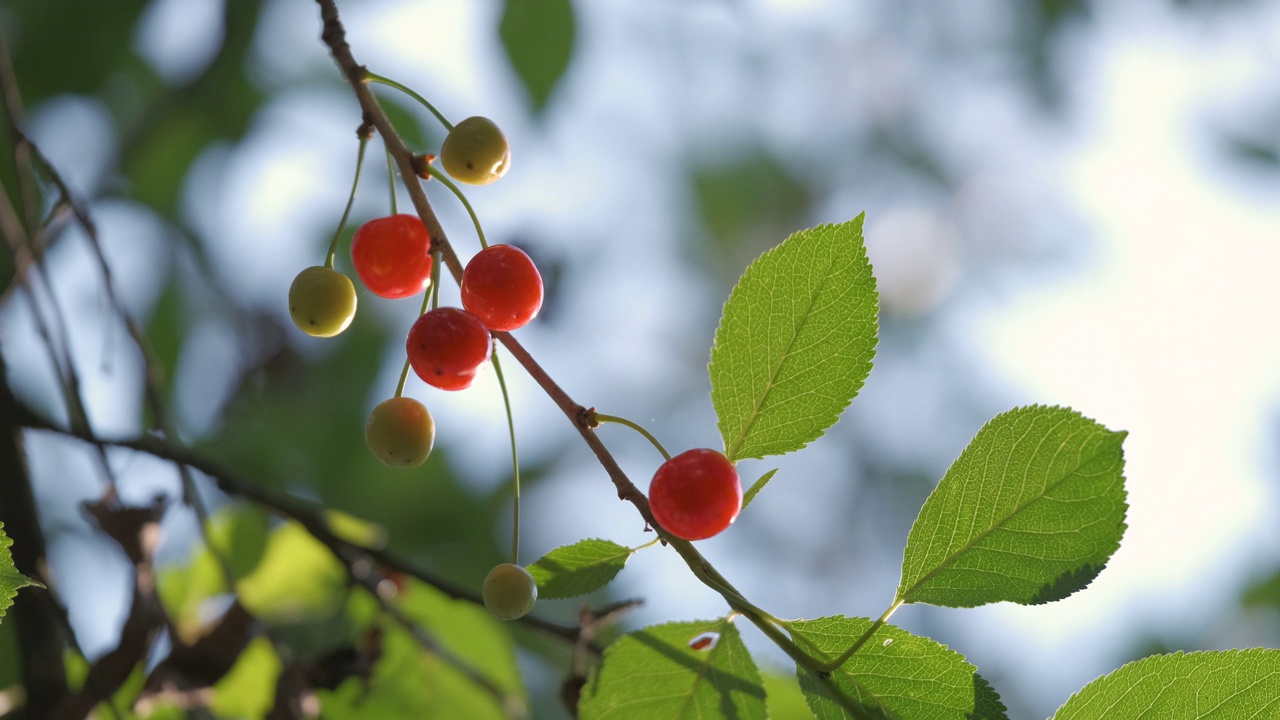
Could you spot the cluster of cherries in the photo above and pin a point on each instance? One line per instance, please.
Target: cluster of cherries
(694, 495)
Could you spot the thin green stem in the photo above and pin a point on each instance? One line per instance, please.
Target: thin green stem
(515, 462)
(857, 645)
(391, 180)
(342, 224)
(634, 426)
(437, 260)
(649, 544)
(444, 180)
(375, 78)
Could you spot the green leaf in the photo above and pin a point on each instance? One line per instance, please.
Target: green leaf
(795, 343)
(577, 569)
(297, 579)
(10, 579)
(756, 487)
(893, 675)
(1030, 513)
(538, 36)
(409, 682)
(658, 672)
(1218, 684)
(249, 689)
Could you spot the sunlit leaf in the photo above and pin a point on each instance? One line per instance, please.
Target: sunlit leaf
(677, 670)
(10, 579)
(1191, 686)
(1030, 513)
(249, 689)
(795, 343)
(893, 675)
(297, 578)
(578, 569)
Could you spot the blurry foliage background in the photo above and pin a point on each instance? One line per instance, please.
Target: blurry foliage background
(658, 147)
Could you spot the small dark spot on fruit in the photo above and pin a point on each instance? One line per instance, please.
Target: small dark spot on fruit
(470, 166)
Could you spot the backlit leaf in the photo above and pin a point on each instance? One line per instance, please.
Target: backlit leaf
(578, 569)
(677, 670)
(10, 579)
(1030, 513)
(795, 343)
(1220, 684)
(538, 36)
(894, 674)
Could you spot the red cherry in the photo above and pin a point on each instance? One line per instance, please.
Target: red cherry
(696, 494)
(446, 346)
(392, 256)
(502, 287)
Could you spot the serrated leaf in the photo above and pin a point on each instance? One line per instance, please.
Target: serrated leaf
(795, 342)
(10, 579)
(577, 569)
(658, 672)
(756, 487)
(1220, 684)
(538, 36)
(893, 675)
(1030, 513)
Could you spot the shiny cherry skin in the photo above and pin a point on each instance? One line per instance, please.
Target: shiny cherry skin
(696, 494)
(400, 432)
(322, 301)
(392, 256)
(502, 287)
(446, 347)
(476, 152)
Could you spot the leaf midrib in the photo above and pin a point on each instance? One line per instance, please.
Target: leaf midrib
(732, 452)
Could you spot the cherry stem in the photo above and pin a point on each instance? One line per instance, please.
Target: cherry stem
(857, 645)
(437, 259)
(342, 224)
(515, 462)
(376, 78)
(449, 184)
(635, 426)
(391, 179)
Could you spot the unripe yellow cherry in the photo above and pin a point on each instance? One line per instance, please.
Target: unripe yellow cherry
(475, 152)
(322, 301)
(509, 592)
(400, 432)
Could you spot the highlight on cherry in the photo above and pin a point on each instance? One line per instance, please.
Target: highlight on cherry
(476, 152)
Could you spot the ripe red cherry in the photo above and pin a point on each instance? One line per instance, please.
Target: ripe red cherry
(446, 346)
(696, 494)
(392, 256)
(502, 287)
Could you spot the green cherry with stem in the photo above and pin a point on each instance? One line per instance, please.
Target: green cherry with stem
(696, 494)
(475, 152)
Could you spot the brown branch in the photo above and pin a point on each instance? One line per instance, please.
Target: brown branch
(347, 552)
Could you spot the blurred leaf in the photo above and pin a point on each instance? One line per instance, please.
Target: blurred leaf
(298, 578)
(166, 330)
(1263, 593)
(795, 343)
(249, 690)
(784, 698)
(893, 675)
(77, 671)
(240, 533)
(750, 195)
(157, 165)
(1255, 152)
(355, 530)
(538, 36)
(407, 117)
(411, 682)
(664, 671)
(1030, 513)
(10, 579)
(10, 658)
(757, 486)
(98, 35)
(577, 569)
(1217, 684)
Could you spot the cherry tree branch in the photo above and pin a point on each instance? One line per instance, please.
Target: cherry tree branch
(334, 36)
